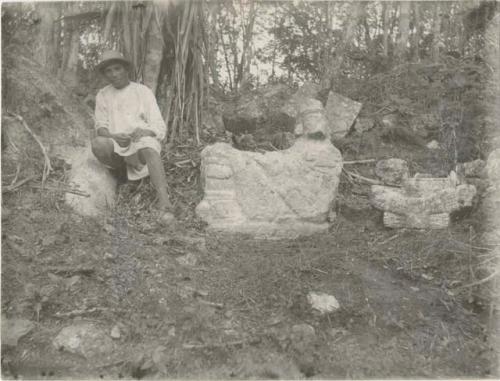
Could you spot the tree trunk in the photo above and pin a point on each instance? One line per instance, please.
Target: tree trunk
(247, 52)
(417, 31)
(70, 72)
(45, 49)
(212, 43)
(226, 56)
(386, 6)
(154, 54)
(66, 42)
(436, 27)
(366, 27)
(108, 23)
(404, 27)
(332, 71)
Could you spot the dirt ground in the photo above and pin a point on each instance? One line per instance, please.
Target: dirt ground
(189, 304)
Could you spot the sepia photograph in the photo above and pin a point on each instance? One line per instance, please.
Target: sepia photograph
(250, 189)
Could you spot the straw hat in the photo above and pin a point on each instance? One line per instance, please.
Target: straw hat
(111, 56)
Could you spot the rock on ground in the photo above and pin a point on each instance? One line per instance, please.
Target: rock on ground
(85, 339)
(244, 119)
(341, 113)
(91, 177)
(392, 171)
(493, 166)
(308, 90)
(322, 302)
(363, 125)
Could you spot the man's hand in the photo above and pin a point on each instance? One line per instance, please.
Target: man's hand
(141, 132)
(122, 139)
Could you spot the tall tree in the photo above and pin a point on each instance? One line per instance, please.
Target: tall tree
(45, 47)
(69, 67)
(243, 70)
(404, 27)
(154, 48)
(386, 10)
(332, 71)
(436, 28)
(417, 31)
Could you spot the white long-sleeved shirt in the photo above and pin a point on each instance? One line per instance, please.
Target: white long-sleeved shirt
(124, 110)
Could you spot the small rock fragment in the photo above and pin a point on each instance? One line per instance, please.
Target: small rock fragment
(303, 333)
(109, 229)
(187, 260)
(363, 125)
(392, 171)
(323, 302)
(389, 120)
(433, 144)
(115, 332)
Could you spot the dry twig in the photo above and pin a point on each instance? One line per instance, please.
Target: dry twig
(80, 312)
(67, 190)
(46, 167)
(362, 178)
(11, 188)
(481, 281)
(359, 161)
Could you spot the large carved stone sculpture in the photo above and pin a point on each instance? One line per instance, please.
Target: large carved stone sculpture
(275, 194)
(422, 203)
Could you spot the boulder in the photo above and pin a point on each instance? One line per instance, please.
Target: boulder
(491, 202)
(84, 339)
(307, 90)
(275, 194)
(90, 176)
(302, 337)
(493, 166)
(341, 113)
(392, 171)
(244, 119)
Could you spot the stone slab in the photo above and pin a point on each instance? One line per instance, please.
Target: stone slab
(341, 113)
(89, 175)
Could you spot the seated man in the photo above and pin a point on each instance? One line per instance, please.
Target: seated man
(130, 128)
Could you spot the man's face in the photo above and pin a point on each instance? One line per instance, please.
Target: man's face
(117, 75)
